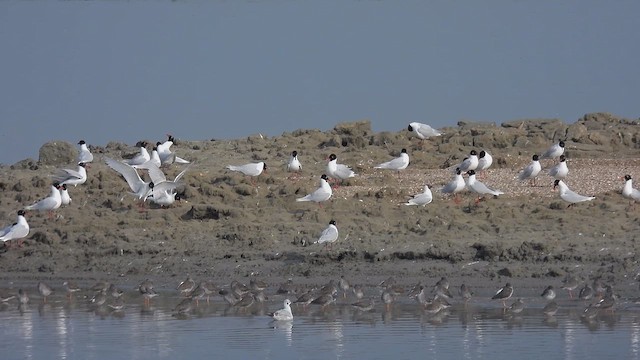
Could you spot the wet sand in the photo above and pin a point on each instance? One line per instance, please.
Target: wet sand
(228, 228)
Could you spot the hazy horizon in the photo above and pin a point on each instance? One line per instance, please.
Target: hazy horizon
(125, 71)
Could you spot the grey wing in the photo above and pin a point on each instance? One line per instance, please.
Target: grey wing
(393, 164)
(328, 235)
(130, 174)
(85, 157)
(343, 171)
(526, 173)
(449, 188)
(428, 131)
(155, 173)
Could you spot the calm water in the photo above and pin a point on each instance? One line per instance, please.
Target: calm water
(74, 330)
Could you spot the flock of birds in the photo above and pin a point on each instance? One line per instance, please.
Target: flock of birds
(247, 298)
(164, 192)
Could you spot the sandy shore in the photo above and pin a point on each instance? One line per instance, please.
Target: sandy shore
(228, 228)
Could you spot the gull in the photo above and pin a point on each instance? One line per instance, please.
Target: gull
(283, 314)
(323, 193)
(569, 196)
(139, 188)
(531, 171)
(64, 195)
(338, 171)
(251, 169)
(154, 160)
(423, 198)
(560, 170)
(399, 163)
(85, 156)
(294, 164)
(72, 177)
(166, 156)
(479, 187)
(484, 161)
(328, 235)
(423, 131)
(162, 191)
(628, 191)
(554, 151)
(17, 231)
(141, 158)
(50, 203)
(470, 163)
(456, 185)
(503, 294)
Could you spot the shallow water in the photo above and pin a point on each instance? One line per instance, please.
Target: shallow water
(76, 330)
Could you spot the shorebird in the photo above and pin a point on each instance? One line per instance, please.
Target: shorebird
(344, 286)
(549, 293)
(570, 283)
(283, 314)
(186, 286)
(517, 307)
(71, 287)
(184, 307)
(465, 292)
(550, 309)
(147, 291)
(503, 294)
(44, 290)
(586, 293)
(364, 305)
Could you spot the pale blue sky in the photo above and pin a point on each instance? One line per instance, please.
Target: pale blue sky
(127, 70)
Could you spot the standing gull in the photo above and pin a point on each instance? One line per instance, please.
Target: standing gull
(456, 185)
(294, 165)
(139, 188)
(554, 151)
(329, 235)
(531, 171)
(628, 191)
(560, 170)
(336, 171)
(84, 156)
(485, 160)
(423, 131)
(252, 169)
(17, 231)
(469, 163)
